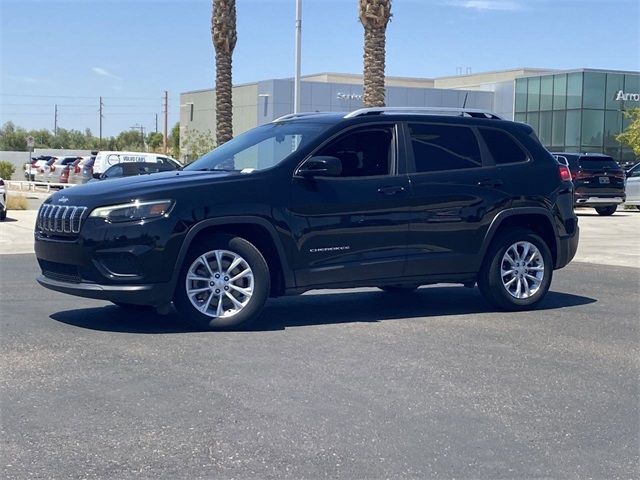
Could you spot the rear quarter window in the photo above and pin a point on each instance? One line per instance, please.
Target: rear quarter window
(502, 146)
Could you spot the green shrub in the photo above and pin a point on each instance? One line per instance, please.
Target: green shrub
(6, 170)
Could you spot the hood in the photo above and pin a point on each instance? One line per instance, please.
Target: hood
(130, 188)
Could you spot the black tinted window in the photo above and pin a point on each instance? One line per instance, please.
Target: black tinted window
(598, 163)
(363, 153)
(502, 147)
(444, 147)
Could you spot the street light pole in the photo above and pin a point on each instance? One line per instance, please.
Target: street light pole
(296, 82)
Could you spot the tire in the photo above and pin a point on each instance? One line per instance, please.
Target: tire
(399, 288)
(606, 211)
(3, 214)
(637, 207)
(490, 278)
(250, 290)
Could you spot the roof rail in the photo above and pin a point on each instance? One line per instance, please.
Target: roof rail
(291, 116)
(469, 112)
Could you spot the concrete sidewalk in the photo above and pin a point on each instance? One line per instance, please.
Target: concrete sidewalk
(603, 240)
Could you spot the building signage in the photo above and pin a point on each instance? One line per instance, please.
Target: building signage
(349, 96)
(634, 97)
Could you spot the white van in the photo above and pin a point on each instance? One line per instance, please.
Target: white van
(106, 159)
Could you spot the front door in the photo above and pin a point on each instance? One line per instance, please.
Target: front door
(352, 228)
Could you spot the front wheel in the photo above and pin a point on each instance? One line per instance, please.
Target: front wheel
(606, 211)
(517, 271)
(224, 283)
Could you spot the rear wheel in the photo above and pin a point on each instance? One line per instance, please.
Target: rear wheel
(517, 271)
(606, 211)
(3, 214)
(399, 288)
(224, 283)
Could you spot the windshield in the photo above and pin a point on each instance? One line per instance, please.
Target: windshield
(259, 148)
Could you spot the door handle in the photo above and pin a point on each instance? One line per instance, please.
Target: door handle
(490, 182)
(391, 190)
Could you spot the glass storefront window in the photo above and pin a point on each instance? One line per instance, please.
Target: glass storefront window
(612, 127)
(560, 92)
(546, 93)
(533, 119)
(572, 130)
(615, 83)
(632, 85)
(520, 117)
(521, 95)
(592, 128)
(544, 130)
(594, 90)
(558, 129)
(574, 90)
(533, 94)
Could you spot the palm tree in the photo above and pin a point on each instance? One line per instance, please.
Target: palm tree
(224, 36)
(374, 16)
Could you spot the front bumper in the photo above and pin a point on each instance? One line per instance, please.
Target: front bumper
(151, 294)
(567, 248)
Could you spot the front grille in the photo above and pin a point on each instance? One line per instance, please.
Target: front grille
(60, 271)
(60, 218)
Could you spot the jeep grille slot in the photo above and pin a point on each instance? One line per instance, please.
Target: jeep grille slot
(60, 218)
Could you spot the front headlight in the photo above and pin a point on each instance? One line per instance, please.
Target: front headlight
(135, 211)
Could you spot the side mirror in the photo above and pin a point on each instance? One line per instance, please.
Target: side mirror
(321, 166)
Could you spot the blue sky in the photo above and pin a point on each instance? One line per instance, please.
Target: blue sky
(130, 51)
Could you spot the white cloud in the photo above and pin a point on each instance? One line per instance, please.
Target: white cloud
(104, 73)
(484, 5)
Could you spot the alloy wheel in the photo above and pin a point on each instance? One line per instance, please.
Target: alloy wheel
(522, 270)
(219, 283)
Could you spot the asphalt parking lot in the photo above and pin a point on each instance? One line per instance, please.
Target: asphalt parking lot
(358, 384)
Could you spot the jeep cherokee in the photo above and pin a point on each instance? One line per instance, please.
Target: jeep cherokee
(380, 197)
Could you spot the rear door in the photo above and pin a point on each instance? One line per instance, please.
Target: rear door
(454, 196)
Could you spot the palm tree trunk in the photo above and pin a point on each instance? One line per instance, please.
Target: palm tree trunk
(224, 36)
(374, 16)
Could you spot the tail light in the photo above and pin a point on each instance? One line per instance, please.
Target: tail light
(565, 173)
(580, 175)
(77, 169)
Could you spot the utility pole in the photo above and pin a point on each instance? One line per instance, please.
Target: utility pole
(156, 123)
(141, 128)
(55, 120)
(166, 121)
(101, 116)
(296, 82)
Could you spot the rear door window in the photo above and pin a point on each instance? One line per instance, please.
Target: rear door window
(443, 147)
(502, 146)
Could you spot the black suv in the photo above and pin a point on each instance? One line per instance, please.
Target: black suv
(378, 197)
(598, 181)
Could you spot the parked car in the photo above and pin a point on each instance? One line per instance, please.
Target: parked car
(106, 159)
(633, 186)
(3, 200)
(41, 173)
(30, 169)
(130, 169)
(598, 180)
(379, 197)
(82, 170)
(58, 171)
